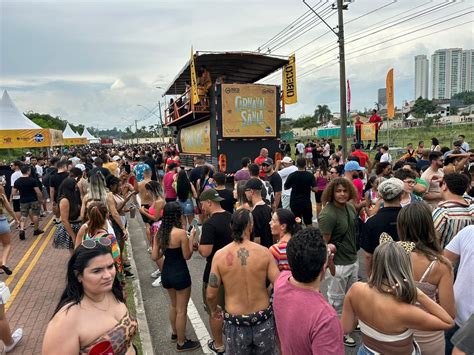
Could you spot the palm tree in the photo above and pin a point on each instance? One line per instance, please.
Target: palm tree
(322, 114)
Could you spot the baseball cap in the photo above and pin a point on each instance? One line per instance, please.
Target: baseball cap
(287, 160)
(254, 184)
(116, 158)
(80, 166)
(390, 189)
(210, 194)
(267, 161)
(352, 166)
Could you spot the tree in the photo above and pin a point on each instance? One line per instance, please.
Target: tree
(453, 110)
(467, 97)
(423, 107)
(322, 114)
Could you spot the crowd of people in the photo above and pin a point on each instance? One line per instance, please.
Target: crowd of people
(269, 255)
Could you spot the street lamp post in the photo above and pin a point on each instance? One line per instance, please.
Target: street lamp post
(160, 117)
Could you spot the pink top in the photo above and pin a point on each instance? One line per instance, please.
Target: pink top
(168, 185)
(359, 185)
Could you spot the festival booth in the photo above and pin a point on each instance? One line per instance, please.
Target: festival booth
(90, 138)
(18, 131)
(331, 130)
(72, 138)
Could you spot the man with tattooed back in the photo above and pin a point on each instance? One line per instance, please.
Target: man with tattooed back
(243, 267)
(215, 235)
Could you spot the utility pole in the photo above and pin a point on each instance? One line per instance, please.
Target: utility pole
(136, 129)
(342, 68)
(161, 123)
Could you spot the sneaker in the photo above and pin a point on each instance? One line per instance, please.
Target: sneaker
(157, 282)
(17, 335)
(128, 273)
(212, 346)
(22, 235)
(188, 345)
(349, 341)
(156, 273)
(6, 269)
(357, 329)
(38, 232)
(174, 338)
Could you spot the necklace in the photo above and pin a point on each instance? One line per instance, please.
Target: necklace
(93, 304)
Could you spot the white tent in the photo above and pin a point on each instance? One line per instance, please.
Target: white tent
(86, 134)
(72, 138)
(11, 117)
(410, 118)
(69, 133)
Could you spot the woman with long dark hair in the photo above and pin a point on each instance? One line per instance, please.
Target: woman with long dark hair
(92, 309)
(283, 226)
(70, 214)
(431, 270)
(185, 192)
(172, 242)
(435, 147)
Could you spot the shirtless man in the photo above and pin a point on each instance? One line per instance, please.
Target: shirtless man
(145, 200)
(243, 268)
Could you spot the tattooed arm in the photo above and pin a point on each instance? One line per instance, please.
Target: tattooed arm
(213, 287)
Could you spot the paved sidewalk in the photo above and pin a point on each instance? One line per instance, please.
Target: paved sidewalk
(36, 284)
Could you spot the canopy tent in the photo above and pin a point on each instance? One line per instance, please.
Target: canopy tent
(86, 134)
(18, 131)
(410, 118)
(72, 138)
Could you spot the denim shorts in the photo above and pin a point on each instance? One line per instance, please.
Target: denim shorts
(4, 225)
(187, 207)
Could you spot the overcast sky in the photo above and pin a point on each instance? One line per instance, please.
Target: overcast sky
(93, 62)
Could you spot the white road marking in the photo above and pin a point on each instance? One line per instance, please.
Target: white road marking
(199, 327)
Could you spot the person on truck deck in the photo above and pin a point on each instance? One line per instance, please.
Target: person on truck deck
(260, 159)
(204, 83)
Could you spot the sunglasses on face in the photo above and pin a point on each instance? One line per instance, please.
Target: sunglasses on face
(92, 243)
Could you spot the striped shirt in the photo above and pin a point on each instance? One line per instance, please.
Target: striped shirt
(278, 251)
(450, 217)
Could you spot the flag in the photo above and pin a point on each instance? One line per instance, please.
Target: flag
(390, 95)
(348, 96)
(289, 81)
(194, 88)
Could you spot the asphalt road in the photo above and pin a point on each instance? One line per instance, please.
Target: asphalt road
(156, 300)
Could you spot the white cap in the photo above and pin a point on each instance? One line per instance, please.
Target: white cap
(116, 158)
(287, 160)
(81, 166)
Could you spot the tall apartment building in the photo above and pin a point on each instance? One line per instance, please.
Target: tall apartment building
(467, 72)
(421, 76)
(448, 71)
(382, 98)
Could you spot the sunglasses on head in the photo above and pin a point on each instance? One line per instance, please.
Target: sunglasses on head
(92, 243)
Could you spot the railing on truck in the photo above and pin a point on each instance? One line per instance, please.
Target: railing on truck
(183, 107)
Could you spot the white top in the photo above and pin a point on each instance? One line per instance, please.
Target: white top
(284, 175)
(39, 171)
(386, 157)
(463, 245)
(300, 148)
(326, 150)
(465, 146)
(13, 178)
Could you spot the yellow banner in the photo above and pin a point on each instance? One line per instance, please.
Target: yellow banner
(249, 110)
(196, 139)
(29, 138)
(75, 141)
(194, 88)
(390, 95)
(367, 132)
(289, 81)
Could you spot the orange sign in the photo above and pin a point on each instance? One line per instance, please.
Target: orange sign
(249, 110)
(30, 138)
(367, 132)
(390, 95)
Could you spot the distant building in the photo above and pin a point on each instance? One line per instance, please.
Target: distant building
(447, 72)
(382, 98)
(467, 71)
(421, 76)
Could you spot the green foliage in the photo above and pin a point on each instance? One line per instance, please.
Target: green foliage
(322, 114)
(422, 107)
(305, 122)
(453, 110)
(48, 121)
(467, 97)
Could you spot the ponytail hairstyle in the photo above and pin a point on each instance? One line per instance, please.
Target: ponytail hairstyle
(171, 219)
(97, 216)
(154, 188)
(287, 218)
(239, 222)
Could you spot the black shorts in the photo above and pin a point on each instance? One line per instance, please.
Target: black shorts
(146, 220)
(303, 211)
(318, 195)
(16, 205)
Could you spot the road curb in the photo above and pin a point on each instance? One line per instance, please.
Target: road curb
(145, 337)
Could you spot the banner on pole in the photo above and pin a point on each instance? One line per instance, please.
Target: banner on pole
(289, 81)
(348, 96)
(368, 132)
(390, 95)
(194, 87)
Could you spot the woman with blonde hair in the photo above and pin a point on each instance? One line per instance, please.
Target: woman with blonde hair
(385, 306)
(432, 272)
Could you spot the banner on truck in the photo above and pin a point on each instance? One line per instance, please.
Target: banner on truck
(289, 81)
(196, 138)
(194, 86)
(249, 110)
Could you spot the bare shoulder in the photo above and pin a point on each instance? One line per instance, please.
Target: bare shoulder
(67, 315)
(359, 288)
